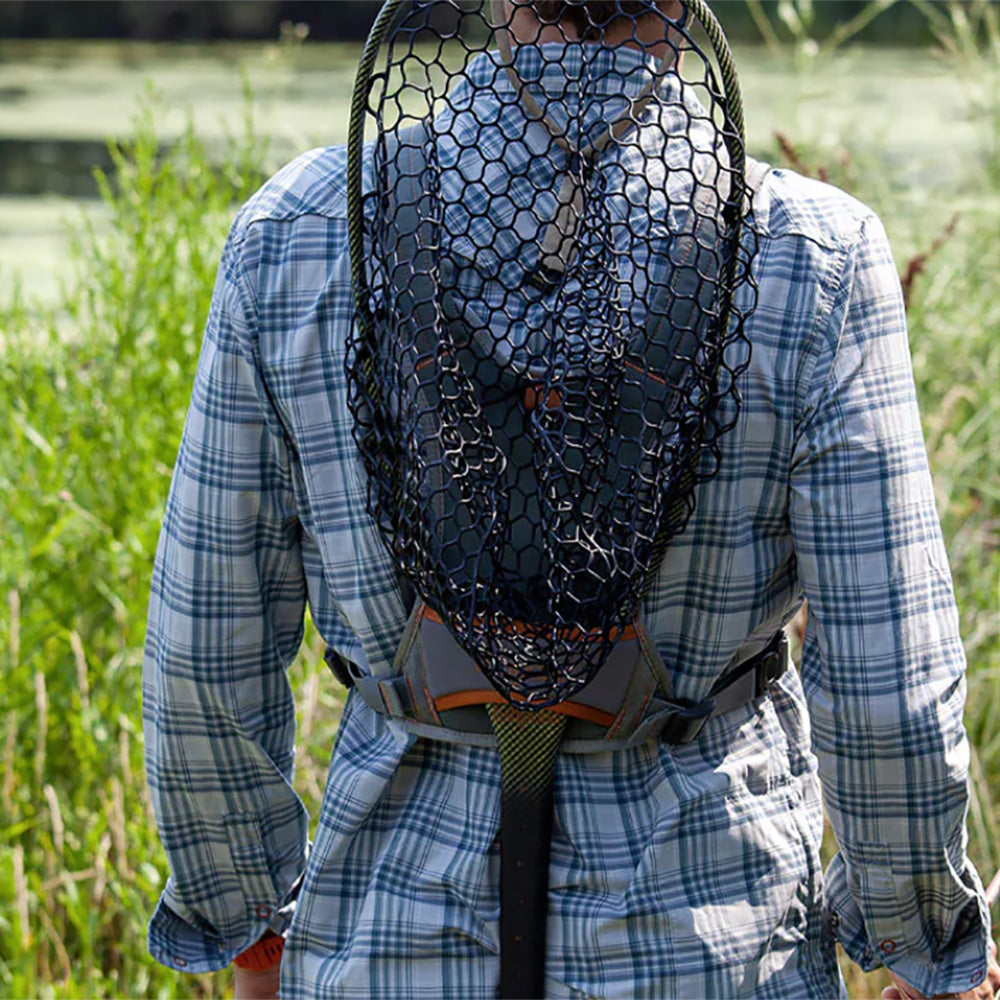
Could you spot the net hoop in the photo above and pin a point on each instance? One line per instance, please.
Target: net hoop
(412, 446)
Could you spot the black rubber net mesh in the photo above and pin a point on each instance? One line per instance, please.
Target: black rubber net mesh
(552, 275)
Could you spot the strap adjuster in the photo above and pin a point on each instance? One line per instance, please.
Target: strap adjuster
(389, 696)
(770, 663)
(685, 725)
(748, 682)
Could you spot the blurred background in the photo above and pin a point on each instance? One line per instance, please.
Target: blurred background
(71, 75)
(130, 131)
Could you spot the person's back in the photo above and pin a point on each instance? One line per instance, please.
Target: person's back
(675, 871)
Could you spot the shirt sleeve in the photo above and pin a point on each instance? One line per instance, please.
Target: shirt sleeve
(883, 665)
(225, 620)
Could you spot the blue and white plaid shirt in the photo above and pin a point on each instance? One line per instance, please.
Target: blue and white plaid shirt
(689, 871)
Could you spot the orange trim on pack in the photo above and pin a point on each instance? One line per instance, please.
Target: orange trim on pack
(586, 712)
(432, 615)
(463, 699)
(533, 396)
(646, 372)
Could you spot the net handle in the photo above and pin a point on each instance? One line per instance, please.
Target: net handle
(355, 147)
(732, 93)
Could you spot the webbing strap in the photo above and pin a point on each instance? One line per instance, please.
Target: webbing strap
(437, 691)
(528, 743)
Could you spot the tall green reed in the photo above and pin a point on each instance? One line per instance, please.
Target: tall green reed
(95, 391)
(796, 20)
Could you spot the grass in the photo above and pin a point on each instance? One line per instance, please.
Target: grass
(98, 387)
(95, 391)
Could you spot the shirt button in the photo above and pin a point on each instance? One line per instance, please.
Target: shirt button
(888, 946)
(182, 962)
(263, 911)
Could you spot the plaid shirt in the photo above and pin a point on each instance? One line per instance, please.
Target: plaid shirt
(690, 871)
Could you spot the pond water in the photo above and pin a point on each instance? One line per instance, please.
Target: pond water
(60, 101)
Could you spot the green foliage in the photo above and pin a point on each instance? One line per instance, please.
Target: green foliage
(811, 28)
(95, 395)
(969, 36)
(799, 21)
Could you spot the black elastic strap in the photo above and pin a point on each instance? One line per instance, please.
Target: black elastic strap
(528, 743)
(340, 667)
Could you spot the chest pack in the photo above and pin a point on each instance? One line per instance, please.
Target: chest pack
(437, 691)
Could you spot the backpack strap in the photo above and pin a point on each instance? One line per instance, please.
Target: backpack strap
(437, 691)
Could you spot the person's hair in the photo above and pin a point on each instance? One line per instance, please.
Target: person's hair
(587, 15)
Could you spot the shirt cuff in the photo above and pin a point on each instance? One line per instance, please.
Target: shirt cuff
(179, 940)
(876, 917)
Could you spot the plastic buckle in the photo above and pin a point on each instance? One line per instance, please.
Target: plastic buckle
(388, 695)
(771, 664)
(685, 725)
(396, 695)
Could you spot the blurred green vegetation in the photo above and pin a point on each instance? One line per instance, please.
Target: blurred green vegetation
(95, 394)
(95, 388)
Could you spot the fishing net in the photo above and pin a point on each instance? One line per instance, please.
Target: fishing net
(547, 238)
